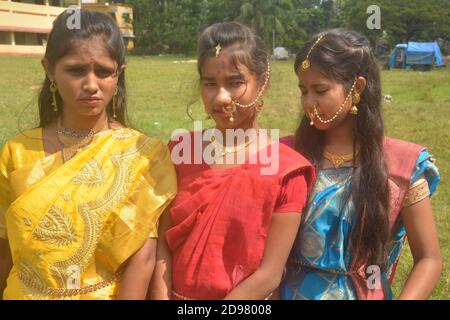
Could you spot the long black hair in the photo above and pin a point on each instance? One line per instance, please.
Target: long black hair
(62, 39)
(343, 55)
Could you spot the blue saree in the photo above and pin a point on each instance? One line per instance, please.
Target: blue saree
(320, 260)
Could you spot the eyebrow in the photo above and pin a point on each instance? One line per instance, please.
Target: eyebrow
(230, 77)
(320, 84)
(82, 65)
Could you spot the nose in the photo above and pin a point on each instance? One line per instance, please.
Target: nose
(308, 104)
(223, 97)
(90, 83)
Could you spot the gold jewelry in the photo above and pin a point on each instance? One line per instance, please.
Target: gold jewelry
(356, 100)
(259, 107)
(306, 64)
(340, 108)
(218, 48)
(353, 110)
(233, 149)
(114, 102)
(338, 160)
(53, 90)
(71, 141)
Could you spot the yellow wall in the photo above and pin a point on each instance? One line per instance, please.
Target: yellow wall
(117, 12)
(36, 21)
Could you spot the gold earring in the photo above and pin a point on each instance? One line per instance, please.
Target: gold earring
(356, 100)
(114, 102)
(53, 90)
(259, 107)
(312, 114)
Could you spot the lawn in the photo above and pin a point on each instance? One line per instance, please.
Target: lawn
(159, 89)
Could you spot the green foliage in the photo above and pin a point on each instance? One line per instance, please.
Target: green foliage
(172, 26)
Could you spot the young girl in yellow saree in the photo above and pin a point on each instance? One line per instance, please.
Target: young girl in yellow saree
(81, 195)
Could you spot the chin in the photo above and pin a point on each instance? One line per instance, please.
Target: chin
(91, 112)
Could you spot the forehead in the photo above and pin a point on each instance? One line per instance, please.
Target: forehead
(223, 66)
(312, 76)
(89, 51)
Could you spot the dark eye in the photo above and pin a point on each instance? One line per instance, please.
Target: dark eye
(236, 83)
(76, 70)
(103, 73)
(321, 91)
(209, 84)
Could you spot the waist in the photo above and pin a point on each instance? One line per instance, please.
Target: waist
(177, 296)
(28, 286)
(299, 265)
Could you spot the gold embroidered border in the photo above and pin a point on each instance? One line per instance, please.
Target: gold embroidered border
(417, 192)
(299, 264)
(179, 296)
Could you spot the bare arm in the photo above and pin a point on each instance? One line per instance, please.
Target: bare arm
(424, 244)
(161, 283)
(282, 232)
(5, 264)
(138, 273)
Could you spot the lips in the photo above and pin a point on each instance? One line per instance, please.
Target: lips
(90, 100)
(222, 114)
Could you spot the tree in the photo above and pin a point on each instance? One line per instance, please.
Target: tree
(265, 17)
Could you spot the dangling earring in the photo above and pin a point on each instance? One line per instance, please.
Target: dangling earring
(114, 102)
(259, 107)
(356, 100)
(53, 90)
(311, 115)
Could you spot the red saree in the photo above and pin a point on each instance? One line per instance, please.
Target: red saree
(221, 218)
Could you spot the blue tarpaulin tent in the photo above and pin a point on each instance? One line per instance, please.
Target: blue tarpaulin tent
(420, 51)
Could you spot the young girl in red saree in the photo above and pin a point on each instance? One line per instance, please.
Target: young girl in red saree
(230, 229)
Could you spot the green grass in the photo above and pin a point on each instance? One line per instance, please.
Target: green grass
(159, 90)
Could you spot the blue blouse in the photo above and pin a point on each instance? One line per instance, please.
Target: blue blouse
(320, 259)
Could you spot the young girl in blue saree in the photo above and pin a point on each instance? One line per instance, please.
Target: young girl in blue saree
(370, 192)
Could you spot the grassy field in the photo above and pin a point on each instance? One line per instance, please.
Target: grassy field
(159, 89)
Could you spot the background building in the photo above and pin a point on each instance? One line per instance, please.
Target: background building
(25, 24)
(121, 13)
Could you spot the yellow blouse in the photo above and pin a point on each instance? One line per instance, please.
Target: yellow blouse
(72, 226)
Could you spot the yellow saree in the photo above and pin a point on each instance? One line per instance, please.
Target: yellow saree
(72, 226)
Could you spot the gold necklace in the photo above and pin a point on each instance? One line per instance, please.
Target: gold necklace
(72, 141)
(233, 149)
(338, 160)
